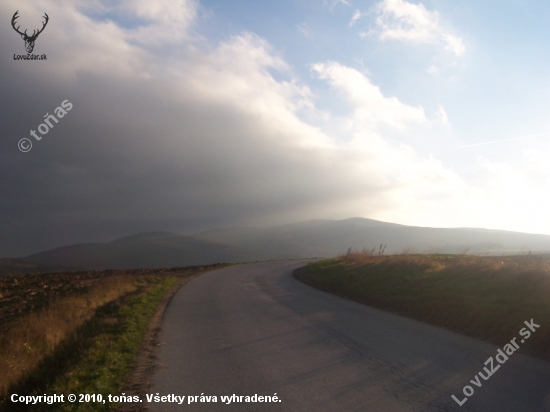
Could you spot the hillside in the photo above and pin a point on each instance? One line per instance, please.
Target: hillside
(326, 238)
(148, 250)
(315, 238)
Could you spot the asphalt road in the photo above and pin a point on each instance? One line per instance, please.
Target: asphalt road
(254, 329)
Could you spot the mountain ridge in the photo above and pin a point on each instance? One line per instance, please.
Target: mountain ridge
(312, 238)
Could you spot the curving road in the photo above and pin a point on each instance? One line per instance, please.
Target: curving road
(254, 329)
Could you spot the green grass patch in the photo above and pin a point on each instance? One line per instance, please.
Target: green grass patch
(484, 297)
(99, 355)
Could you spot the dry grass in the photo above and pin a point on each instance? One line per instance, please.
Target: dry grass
(36, 335)
(539, 263)
(487, 297)
(77, 332)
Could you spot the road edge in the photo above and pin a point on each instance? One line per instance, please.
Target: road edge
(139, 379)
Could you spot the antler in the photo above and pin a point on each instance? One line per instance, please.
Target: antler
(34, 33)
(43, 26)
(15, 16)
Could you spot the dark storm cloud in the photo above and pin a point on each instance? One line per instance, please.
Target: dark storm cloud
(178, 142)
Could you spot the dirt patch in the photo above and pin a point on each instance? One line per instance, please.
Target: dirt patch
(24, 293)
(21, 294)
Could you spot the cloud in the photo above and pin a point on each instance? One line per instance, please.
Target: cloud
(442, 115)
(333, 3)
(304, 29)
(372, 108)
(356, 16)
(515, 191)
(401, 20)
(190, 135)
(410, 183)
(151, 23)
(433, 69)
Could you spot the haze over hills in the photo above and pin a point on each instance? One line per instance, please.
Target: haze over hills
(331, 237)
(315, 238)
(145, 250)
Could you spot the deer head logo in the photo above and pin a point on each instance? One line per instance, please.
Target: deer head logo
(29, 40)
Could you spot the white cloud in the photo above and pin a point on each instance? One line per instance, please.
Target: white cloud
(433, 69)
(304, 29)
(454, 44)
(401, 20)
(413, 187)
(442, 115)
(356, 16)
(170, 20)
(163, 11)
(333, 3)
(160, 21)
(516, 192)
(372, 108)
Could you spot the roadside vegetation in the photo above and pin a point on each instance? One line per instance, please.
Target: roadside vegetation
(76, 332)
(486, 297)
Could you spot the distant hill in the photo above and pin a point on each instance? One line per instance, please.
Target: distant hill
(147, 250)
(331, 237)
(315, 238)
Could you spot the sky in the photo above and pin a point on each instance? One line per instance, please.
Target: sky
(188, 115)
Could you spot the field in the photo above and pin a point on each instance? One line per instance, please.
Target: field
(486, 297)
(77, 332)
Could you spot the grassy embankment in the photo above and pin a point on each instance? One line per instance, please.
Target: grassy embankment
(484, 297)
(76, 333)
